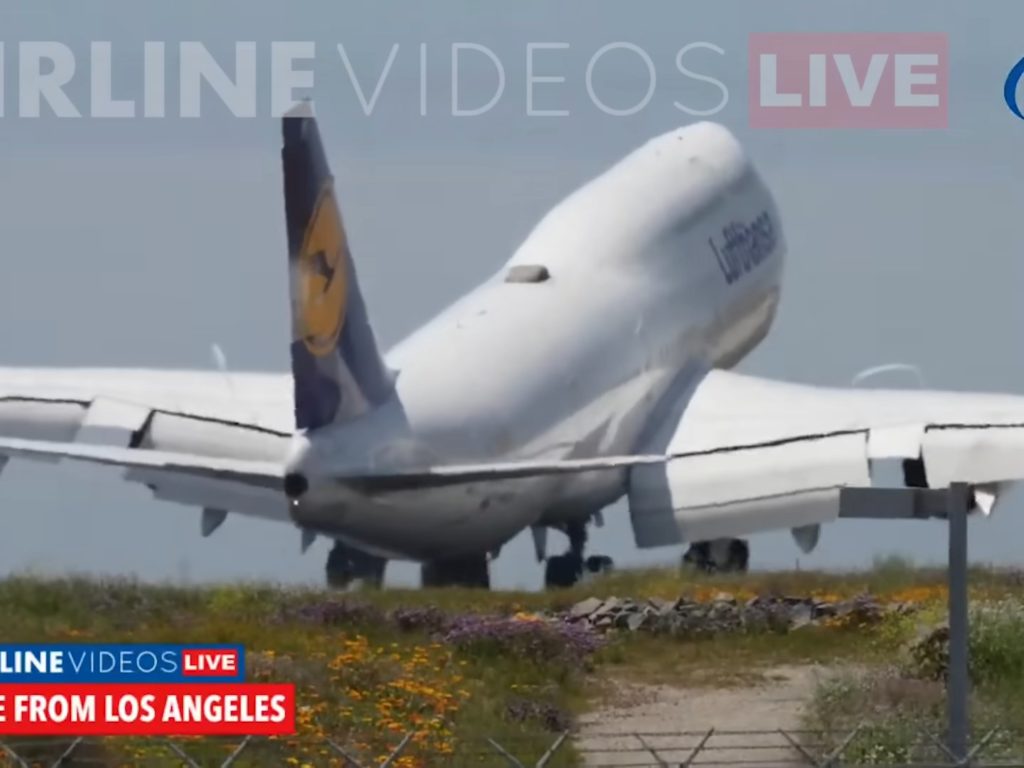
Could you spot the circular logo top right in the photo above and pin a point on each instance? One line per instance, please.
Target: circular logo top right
(1013, 80)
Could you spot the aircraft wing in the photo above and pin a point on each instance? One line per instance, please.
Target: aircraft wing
(747, 454)
(742, 455)
(222, 432)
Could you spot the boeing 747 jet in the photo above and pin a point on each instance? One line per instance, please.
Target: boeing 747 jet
(592, 367)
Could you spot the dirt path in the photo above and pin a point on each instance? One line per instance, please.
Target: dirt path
(607, 734)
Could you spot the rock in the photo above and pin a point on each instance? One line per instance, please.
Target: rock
(724, 614)
(635, 621)
(801, 615)
(824, 609)
(584, 608)
(904, 609)
(661, 605)
(607, 608)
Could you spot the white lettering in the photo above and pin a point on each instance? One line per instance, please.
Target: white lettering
(423, 79)
(861, 95)
(198, 65)
(368, 106)
(770, 96)
(532, 78)
(33, 85)
(284, 78)
(103, 102)
(457, 48)
(818, 76)
(701, 78)
(651, 72)
(172, 710)
(77, 660)
(907, 78)
(154, 71)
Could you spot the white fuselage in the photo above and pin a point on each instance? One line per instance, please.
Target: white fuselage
(661, 268)
(647, 284)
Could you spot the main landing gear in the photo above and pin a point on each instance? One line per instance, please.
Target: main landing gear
(472, 571)
(718, 556)
(346, 565)
(567, 570)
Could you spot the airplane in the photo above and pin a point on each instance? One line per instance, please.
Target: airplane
(593, 366)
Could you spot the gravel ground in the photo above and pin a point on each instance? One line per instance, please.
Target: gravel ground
(672, 722)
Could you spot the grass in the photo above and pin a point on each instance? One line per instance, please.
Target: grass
(899, 702)
(893, 578)
(360, 679)
(457, 667)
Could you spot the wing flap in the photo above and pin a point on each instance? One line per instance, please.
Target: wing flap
(973, 454)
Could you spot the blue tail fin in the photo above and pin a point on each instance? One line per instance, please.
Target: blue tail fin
(338, 370)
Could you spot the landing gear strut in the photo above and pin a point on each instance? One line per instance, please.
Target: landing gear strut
(718, 556)
(567, 570)
(471, 571)
(346, 565)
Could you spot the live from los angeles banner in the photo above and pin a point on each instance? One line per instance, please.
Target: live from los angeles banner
(139, 690)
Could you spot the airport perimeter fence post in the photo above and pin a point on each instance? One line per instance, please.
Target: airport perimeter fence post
(13, 756)
(832, 759)
(541, 763)
(958, 684)
(351, 762)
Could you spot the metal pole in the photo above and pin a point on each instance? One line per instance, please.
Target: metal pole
(957, 689)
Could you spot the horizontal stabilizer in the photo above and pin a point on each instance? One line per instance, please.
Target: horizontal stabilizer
(255, 473)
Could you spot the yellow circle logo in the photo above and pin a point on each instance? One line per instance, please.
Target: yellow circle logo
(323, 278)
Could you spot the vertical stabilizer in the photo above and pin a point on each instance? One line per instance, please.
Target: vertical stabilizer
(338, 371)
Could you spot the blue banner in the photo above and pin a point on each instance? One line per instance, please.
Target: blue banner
(126, 663)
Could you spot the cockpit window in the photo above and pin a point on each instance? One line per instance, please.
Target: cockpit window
(527, 273)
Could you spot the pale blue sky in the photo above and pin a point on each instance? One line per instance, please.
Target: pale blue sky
(141, 242)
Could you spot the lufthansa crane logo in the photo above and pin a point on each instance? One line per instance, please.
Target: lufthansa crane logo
(1010, 88)
(323, 278)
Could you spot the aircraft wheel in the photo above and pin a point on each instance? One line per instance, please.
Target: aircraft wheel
(738, 558)
(346, 565)
(699, 556)
(562, 571)
(720, 555)
(472, 572)
(600, 564)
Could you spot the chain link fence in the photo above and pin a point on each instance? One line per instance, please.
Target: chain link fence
(858, 747)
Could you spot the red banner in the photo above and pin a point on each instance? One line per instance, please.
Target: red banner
(177, 709)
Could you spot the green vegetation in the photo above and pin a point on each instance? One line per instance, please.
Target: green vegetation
(897, 705)
(457, 667)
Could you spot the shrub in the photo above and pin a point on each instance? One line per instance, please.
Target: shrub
(554, 643)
